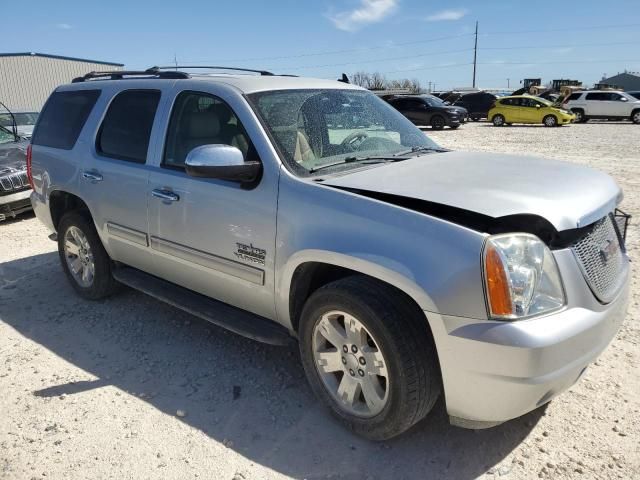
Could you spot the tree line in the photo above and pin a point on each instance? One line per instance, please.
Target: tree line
(377, 81)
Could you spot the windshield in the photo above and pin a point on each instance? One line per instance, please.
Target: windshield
(316, 128)
(23, 118)
(544, 101)
(6, 136)
(433, 101)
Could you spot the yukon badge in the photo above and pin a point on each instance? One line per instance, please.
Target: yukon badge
(250, 253)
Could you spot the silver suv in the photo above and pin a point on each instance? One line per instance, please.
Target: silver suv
(289, 208)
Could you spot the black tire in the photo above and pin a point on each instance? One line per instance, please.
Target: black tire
(402, 335)
(498, 120)
(635, 117)
(580, 116)
(437, 122)
(454, 127)
(475, 118)
(550, 121)
(103, 283)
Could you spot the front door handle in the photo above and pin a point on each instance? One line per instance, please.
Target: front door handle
(167, 195)
(93, 176)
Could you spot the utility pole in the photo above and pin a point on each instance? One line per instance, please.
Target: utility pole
(508, 86)
(475, 56)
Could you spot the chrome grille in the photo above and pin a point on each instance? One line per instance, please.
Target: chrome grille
(12, 180)
(600, 254)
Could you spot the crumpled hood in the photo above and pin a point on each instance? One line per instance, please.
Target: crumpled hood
(496, 185)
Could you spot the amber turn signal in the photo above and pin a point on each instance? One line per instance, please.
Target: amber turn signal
(498, 291)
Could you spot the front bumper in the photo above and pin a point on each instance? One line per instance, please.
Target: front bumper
(14, 204)
(496, 371)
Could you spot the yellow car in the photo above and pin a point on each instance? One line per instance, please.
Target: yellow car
(528, 109)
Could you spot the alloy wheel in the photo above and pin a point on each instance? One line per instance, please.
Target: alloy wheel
(79, 257)
(350, 364)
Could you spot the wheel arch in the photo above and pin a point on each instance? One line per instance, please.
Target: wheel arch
(310, 270)
(61, 201)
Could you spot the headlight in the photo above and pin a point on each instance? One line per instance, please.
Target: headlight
(521, 277)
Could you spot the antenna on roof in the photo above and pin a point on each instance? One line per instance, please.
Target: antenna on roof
(344, 78)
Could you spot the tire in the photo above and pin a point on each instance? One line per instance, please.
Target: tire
(454, 127)
(437, 122)
(550, 121)
(580, 116)
(400, 333)
(498, 120)
(635, 117)
(78, 233)
(475, 118)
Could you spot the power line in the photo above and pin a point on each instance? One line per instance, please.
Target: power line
(540, 47)
(568, 29)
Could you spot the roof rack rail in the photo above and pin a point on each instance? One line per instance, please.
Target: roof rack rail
(214, 67)
(120, 74)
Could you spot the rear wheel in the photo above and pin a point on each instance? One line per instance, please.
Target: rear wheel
(369, 357)
(84, 259)
(550, 121)
(580, 117)
(437, 122)
(498, 120)
(635, 117)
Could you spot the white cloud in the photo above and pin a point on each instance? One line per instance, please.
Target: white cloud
(369, 11)
(64, 26)
(448, 15)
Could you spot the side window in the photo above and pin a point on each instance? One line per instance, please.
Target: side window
(615, 97)
(574, 96)
(126, 127)
(203, 119)
(63, 117)
(506, 101)
(596, 96)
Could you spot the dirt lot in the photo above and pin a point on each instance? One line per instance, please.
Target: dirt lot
(130, 388)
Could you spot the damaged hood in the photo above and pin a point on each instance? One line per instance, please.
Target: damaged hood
(568, 196)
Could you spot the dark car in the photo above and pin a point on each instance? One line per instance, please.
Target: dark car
(477, 104)
(425, 110)
(14, 184)
(635, 94)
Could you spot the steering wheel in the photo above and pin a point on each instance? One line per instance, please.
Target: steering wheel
(353, 140)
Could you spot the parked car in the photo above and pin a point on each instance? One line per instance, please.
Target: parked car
(527, 109)
(14, 185)
(425, 110)
(24, 121)
(603, 104)
(477, 104)
(401, 268)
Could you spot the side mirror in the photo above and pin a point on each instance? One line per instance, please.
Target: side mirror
(223, 162)
(624, 99)
(538, 105)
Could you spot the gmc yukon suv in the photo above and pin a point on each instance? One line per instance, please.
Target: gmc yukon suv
(402, 269)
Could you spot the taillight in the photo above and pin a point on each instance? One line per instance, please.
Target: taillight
(29, 174)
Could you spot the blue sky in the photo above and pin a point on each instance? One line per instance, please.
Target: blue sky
(430, 40)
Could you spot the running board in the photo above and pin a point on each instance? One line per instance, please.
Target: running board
(234, 319)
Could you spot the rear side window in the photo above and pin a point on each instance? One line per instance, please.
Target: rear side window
(597, 96)
(574, 96)
(126, 127)
(63, 117)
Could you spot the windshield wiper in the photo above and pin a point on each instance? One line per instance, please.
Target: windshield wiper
(419, 149)
(370, 159)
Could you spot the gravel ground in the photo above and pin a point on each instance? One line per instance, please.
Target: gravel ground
(132, 388)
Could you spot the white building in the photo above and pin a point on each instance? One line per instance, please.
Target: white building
(27, 79)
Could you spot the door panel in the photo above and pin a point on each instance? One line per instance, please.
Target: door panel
(212, 236)
(114, 178)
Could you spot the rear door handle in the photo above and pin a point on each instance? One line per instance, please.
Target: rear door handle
(167, 195)
(93, 176)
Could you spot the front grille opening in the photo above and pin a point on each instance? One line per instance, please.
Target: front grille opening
(600, 254)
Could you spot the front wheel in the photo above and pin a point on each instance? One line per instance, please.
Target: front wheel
(369, 356)
(550, 121)
(498, 120)
(437, 122)
(84, 259)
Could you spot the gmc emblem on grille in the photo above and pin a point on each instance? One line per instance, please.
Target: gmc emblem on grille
(608, 250)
